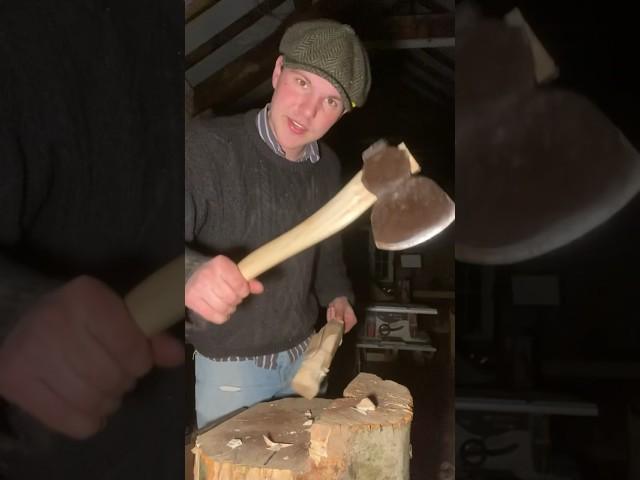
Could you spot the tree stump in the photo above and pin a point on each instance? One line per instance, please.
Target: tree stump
(363, 436)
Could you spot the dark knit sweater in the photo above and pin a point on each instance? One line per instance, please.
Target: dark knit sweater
(91, 182)
(240, 195)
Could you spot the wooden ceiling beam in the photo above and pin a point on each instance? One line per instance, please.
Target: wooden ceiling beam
(409, 27)
(302, 4)
(230, 31)
(194, 8)
(434, 6)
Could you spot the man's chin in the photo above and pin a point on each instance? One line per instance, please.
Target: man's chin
(293, 146)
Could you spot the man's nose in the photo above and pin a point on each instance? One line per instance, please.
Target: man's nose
(309, 106)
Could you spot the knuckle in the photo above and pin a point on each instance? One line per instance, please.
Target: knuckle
(84, 284)
(217, 262)
(220, 317)
(81, 427)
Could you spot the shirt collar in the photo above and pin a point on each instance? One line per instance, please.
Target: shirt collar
(311, 150)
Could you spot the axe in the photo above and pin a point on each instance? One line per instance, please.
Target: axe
(537, 166)
(408, 210)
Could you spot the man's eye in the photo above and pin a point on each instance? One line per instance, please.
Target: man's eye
(333, 103)
(301, 82)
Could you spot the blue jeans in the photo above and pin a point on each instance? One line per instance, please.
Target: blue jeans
(222, 387)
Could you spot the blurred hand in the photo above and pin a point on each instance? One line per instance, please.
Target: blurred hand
(74, 354)
(216, 288)
(340, 310)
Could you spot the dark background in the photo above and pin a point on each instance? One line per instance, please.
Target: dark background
(586, 345)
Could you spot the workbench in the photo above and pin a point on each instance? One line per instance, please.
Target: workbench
(393, 327)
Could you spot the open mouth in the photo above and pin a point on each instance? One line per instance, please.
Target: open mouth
(296, 127)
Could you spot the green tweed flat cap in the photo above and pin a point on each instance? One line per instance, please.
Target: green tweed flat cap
(333, 51)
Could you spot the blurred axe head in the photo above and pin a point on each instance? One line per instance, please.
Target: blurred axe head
(536, 166)
(410, 209)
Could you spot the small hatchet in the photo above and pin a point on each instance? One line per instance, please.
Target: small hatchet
(408, 210)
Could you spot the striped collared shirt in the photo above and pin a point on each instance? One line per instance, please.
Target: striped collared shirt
(270, 360)
(311, 150)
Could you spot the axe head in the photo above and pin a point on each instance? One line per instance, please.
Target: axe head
(410, 209)
(536, 167)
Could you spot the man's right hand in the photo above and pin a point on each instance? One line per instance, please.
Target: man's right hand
(75, 353)
(216, 288)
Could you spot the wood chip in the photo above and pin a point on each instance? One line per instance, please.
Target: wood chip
(365, 405)
(234, 443)
(275, 446)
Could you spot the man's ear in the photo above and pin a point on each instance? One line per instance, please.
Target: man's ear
(277, 70)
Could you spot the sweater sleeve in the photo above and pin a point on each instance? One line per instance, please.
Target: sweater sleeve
(203, 149)
(20, 285)
(331, 280)
(193, 258)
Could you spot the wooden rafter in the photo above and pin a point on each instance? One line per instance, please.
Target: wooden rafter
(434, 6)
(230, 31)
(409, 27)
(194, 8)
(302, 4)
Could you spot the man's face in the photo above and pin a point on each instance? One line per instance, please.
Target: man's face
(304, 107)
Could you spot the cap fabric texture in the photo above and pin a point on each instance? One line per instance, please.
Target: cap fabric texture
(333, 51)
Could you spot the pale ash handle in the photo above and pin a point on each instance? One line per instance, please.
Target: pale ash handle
(344, 208)
(317, 359)
(158, 302)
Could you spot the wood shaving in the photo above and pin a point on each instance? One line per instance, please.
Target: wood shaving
(275, 446)
(234, 443)
(365, 405)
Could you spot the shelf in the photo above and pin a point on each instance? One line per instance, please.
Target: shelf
(387, 345)
(402, 308)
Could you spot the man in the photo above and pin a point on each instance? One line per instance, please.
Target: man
(250, 178)
(90, 182)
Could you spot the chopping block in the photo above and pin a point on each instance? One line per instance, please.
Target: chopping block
(364, 436)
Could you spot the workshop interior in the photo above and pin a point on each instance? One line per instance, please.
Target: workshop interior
(504, 345)
(512, 330)
(405, 299)
(488, 212)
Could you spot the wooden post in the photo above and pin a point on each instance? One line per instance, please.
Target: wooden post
(364, 436)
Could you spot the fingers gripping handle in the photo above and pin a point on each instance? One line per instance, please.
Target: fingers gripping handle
(158, 302)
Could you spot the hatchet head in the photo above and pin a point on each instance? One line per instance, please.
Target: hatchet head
(409, 209)
(537, 166)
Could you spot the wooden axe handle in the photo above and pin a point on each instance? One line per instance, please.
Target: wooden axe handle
(158, 302)
(317, 359)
